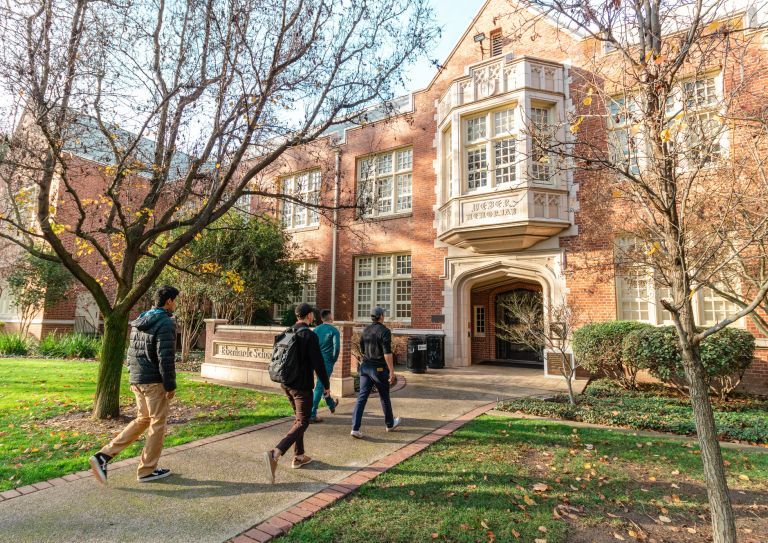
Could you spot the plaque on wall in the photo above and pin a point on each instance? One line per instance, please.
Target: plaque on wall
(250, 352)
(438, 318)
(489, 211)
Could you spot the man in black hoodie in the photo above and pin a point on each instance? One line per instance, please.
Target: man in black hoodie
(152, 370)
(300, 391)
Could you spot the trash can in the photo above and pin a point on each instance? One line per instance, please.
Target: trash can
(435, 353)
(416, 361)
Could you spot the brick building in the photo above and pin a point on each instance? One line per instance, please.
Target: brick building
(460, 212)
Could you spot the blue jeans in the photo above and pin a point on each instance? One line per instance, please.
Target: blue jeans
(373, 376)
(319, 391)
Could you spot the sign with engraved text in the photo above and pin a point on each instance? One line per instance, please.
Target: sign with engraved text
(251, 352)
(489, 211)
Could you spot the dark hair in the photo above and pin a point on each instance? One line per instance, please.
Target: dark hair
(324, 313)
(165, 293)
(302, 310)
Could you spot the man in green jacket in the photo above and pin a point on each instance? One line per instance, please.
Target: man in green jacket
(330, 345)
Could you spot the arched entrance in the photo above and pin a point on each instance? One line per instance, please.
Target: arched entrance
(511, 351)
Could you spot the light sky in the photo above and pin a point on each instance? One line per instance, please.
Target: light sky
(453, 16)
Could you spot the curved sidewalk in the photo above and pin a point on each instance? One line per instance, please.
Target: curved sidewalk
(220, 488)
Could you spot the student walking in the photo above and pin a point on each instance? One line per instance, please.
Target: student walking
(152, 371)
(301, 358)
(330, 345)
(377, 370)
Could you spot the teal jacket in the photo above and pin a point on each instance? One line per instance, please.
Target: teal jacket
(330, 342)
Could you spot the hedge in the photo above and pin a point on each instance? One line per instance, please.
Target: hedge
(598, 348)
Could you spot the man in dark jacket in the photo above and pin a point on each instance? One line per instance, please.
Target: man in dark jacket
(299, 391)
(377, 370)
(152, 370)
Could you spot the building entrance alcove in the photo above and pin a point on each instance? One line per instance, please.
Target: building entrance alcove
(489, 311)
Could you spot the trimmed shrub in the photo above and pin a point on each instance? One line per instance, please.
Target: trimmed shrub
(289, 317)
(598, 349)
(69, 346)
(14, 345)
(725, 355)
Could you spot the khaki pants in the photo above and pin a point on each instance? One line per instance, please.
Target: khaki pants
(152, 413)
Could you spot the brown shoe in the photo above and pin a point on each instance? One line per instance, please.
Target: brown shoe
(315, 420)
(299, 461)
(269, 457)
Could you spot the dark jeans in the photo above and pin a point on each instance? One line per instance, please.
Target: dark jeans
(301, 401)
(373, 376)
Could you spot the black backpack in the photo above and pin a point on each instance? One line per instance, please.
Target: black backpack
(284, 367)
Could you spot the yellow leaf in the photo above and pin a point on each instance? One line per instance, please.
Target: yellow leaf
(744, 477)
(665, 135)
(587, 466)
(587, 101)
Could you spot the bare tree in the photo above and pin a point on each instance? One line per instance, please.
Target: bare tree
(668, 101)
(527, 326)
(186, 105)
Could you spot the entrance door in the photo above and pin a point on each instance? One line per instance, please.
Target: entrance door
(508, 351)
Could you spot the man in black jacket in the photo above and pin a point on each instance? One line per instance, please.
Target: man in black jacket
(300, 390)
(152, 371)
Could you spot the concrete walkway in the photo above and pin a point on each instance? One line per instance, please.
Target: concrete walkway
(220, 487)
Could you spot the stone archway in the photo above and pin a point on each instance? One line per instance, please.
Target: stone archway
(467, 273)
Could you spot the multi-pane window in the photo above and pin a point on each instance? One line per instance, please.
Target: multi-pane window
(383, 281)
(8, 309)
(639, 295)
(703, 138)
(625, 148)
(541, 135)
(489, 140)
(308, 292)
(713, 308)
(700, 92)
(480, 321)
(304, 187)
(385, 183)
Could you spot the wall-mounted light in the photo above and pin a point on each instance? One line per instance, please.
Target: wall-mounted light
(479, 37)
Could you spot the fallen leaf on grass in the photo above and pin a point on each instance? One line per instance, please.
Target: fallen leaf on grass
(528, 500)
(741, 477)
(664, 519)
(484, 525)
(539, 541)
(543, 529)
(515, 533)
(435, 535)
(618, 536)
(691, 530)
(540, 487)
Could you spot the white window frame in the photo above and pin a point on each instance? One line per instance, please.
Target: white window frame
(485, 143)
(394, 186)
(8, 310)
(479, 320)
(304, 186)
(308, 292)
(542, 166)
(374, 277)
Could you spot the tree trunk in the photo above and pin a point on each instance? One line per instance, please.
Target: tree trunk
(114, 343)
(723, 521)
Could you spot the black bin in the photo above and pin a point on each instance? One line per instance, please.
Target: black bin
(435, 353)
(416, 362)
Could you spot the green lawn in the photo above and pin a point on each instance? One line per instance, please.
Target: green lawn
(32, 392)
(503, 479)
(654, 407)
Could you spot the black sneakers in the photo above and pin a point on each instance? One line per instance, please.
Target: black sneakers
(99, 463)
(155, 475)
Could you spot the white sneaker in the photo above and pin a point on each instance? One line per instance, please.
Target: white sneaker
(395, 424)
(357, 434)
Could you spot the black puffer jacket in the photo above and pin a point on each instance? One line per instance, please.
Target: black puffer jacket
(152, 349)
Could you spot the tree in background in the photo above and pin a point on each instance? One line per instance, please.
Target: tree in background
(526, 325)
(187, 105)
(236, 267)
(671, 127)
(34, 283)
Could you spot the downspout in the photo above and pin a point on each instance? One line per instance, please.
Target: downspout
(336, 196)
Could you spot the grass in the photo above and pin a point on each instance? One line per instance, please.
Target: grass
(32, 392)
(502, 479)
(652, 408)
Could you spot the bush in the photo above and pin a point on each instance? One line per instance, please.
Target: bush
(289, 317)
(69, 346)
(725, 355)
(598, 348)
(14, 345)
